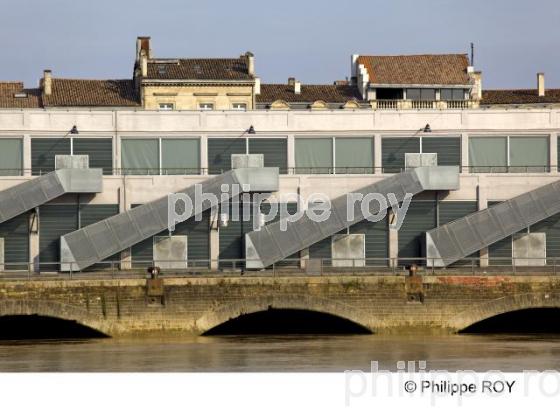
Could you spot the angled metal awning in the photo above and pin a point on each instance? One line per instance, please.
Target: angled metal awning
(271, 244)
(458, 239)
(25, 196)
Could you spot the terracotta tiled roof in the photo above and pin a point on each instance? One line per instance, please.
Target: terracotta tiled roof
(309, 93)
(199, 69)
(8, 90)
(91, 93)
(520, 97)
(449, 69)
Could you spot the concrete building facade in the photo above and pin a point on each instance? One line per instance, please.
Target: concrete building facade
(177, 123)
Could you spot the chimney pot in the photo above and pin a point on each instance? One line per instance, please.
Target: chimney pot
(297, 87)
(47, 82)
(250, 63)
(540, 84)
(291, 81)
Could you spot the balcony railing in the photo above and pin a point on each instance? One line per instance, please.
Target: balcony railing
(422, 105)
(548, 266)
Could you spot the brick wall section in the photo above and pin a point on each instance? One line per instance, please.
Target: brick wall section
(384, 304)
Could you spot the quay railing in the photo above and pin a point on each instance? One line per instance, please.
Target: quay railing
(137, 269)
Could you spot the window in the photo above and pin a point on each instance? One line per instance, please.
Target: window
(239, 106)
(180, 156)
(44, 151)
(314, 155)
(394, 149)
(155, 156)
(140, 156)
(389, 93)
(354, 155)
(528, 154)
(11, 156)
(508, 154)
(166, 106)
(452, 94)
(421, 94)
(206, 106)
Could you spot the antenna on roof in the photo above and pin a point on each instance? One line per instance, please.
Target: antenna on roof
(472, 54)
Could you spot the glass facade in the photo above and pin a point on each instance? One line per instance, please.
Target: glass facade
(354, 155)
(140, 156)
(314, 155)
(508, 154)
(179, 156)
(11, 156)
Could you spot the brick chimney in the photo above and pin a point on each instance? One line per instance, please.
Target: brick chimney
(540, 84)
(250, 63)
(143, 44)
(47, 82)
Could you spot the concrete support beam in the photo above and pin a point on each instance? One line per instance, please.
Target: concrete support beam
(377, 161)
(553, 152)
(482, 199)
(303, 258)
(34, 242)
(214, 238)
(465, 153)
(393, 241)
(26, 155)
(291, 154)
(204, 154)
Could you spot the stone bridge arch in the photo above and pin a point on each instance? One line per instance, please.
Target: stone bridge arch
(511, 303)
(56, 310)
(229, 311)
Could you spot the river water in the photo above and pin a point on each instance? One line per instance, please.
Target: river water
(296, 353)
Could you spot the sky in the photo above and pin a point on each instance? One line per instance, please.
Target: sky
(311, 40)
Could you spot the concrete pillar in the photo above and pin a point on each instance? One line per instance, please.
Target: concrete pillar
(303, 258)
(377, 161)
(482, 198)
(204, 154)
(553, 152)
(34, 242)
(291, 154)
(126, 255)
(393, 241)
(465, 153)
(26, 164)
(214, 238)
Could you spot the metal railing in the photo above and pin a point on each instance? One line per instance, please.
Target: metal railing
(510, 169)
(490, 169)
(286, 268)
